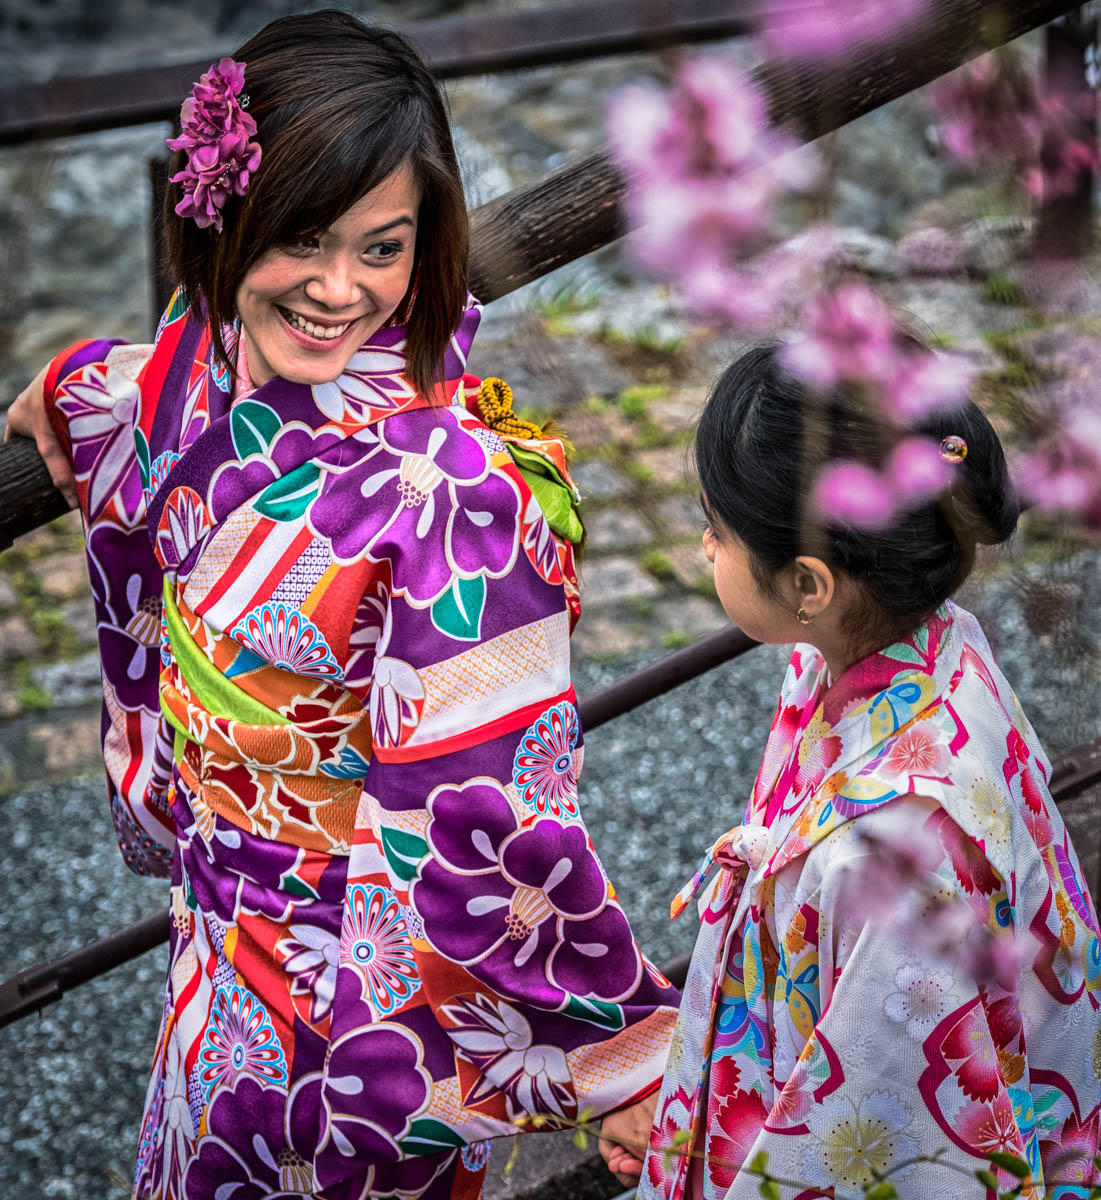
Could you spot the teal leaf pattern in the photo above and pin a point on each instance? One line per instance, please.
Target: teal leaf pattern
(458, 612)
(403, 851)
(288, 497)
(253, 426)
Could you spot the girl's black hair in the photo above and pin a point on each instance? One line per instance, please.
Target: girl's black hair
(762, 441)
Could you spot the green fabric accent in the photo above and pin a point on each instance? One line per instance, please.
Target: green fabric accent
(557, 505)
(531, 461)
(553, 495)
(179, 740)
(217, 694)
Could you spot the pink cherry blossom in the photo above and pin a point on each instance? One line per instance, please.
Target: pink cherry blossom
(828, 28)
(926, 383)
(989, 108)
(705, 174)
(852, 493)
(917, 471)
(1065, 473)
(850, 335)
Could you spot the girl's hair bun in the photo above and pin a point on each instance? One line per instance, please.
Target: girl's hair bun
(763, 440)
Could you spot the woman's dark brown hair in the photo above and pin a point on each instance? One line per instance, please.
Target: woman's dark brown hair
(339, 106)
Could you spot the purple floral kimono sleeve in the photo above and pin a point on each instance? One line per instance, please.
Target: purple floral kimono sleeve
(507, 963)
(93, 397)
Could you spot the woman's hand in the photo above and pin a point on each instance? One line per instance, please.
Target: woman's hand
(27, 418)
(624, 1137)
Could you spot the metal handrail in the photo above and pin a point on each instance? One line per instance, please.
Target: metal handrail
(45, 983)
(34, 988)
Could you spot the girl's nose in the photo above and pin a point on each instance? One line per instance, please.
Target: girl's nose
(333, 285)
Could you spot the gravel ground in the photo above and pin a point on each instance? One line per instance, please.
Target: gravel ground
(659, 784)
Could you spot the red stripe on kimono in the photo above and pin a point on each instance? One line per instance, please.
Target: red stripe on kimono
(336, 654)
(898, 956)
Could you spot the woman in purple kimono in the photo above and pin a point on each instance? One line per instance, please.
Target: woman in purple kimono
(334, 621)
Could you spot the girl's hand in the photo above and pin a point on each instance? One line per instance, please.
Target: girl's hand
(625, 1136)
(27, 418)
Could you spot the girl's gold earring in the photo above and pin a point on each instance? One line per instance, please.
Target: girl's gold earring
(802, 617)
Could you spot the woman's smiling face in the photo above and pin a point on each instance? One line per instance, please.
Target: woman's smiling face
(305, 309)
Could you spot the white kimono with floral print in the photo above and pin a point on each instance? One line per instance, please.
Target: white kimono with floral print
(898, 958)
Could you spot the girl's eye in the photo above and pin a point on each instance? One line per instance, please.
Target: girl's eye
(384, 252)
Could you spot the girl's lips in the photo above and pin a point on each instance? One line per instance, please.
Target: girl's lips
(313, 343)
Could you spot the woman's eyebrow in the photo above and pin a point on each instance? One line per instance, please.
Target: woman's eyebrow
(403, 220)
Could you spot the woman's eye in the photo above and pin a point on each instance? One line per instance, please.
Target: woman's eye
(384, 251)
(302, 245)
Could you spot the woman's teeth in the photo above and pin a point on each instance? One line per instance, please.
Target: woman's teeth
(325, 333)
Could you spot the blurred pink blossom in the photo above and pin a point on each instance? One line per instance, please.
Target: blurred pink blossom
(926, 383)
(853, 493)
(765, 290)
(705, 174)
(828, 28)
(850, 492)
(1065, 474)
(991, 110)
(850, 335)
(944, 926)
(917, 471)
(1060, 176)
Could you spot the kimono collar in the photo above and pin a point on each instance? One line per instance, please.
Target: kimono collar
(818, 769)
(189, 425)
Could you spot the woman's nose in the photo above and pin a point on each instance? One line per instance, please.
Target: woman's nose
(334, 284)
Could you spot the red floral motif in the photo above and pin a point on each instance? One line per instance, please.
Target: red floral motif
(972, 867)
(780, 741)
(1070, 1156)
(1039, 827)
(819, 757)
(736, 1127)
(990, 1127)
(974, 1057)
(1004, 1019)
(918, 751)
(661, 1168)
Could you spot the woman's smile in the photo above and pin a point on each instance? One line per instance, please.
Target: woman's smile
(315, 329)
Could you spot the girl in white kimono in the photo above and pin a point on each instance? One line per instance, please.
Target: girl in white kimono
(898, 971)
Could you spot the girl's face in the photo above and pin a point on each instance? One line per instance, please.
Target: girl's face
(742, 598)
(305, 309)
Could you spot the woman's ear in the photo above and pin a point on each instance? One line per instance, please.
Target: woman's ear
(813, 583)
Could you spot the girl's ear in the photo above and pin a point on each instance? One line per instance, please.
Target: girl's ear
(814, 584)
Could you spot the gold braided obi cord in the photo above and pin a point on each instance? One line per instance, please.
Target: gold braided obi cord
(260, 764)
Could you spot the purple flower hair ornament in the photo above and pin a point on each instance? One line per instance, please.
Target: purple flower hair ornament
(215, 132)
